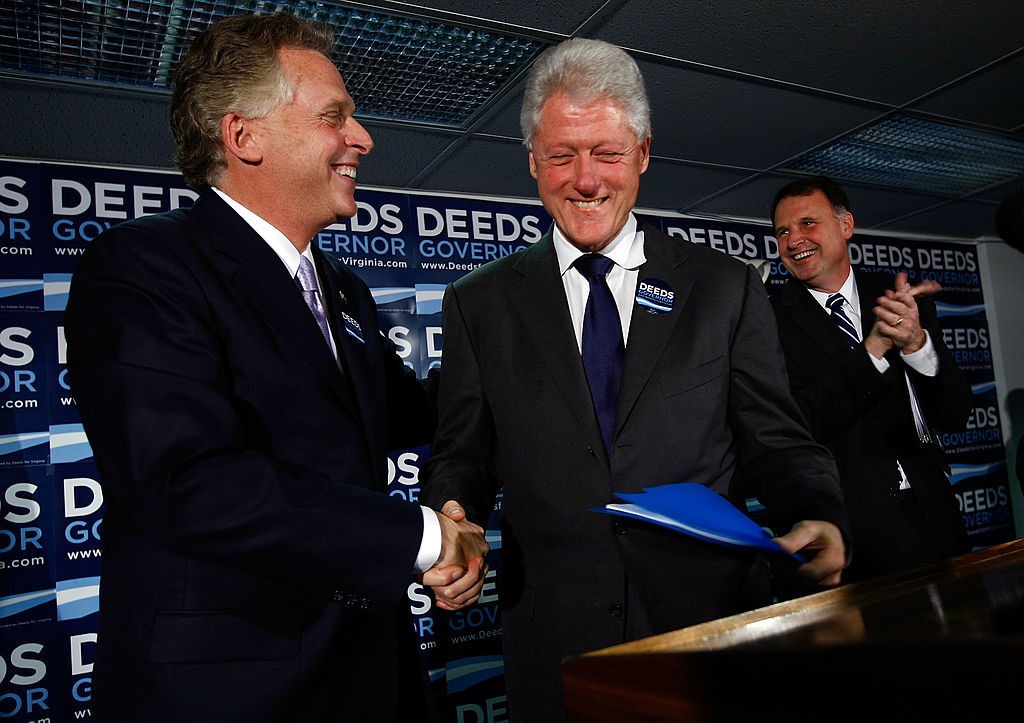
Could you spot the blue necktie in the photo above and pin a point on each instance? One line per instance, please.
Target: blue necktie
(835, 305)
(311, 293)
(603, 349)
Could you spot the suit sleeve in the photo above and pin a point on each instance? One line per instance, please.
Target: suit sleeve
(794, 476)
(460, 466)
(946, 399)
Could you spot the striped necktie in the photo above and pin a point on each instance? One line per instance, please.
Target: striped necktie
(835, 304)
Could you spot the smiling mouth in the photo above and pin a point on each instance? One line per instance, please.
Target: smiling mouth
(803, 255)
(588, 204)
(345, 171)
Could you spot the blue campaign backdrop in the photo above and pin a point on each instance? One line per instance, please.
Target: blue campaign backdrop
(407, 246)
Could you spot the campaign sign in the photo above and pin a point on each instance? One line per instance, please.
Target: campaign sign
(23, 387)
(21, 277)
(27, 546)
(984, 432)
(79, 641)
(743, 241)
(82, 202)
(63, 410)
(417, 333)
(55, 291)
(967, 338)
(80, 523)
(455, 235)
(31, 680)
(983, 493)
(375, 243)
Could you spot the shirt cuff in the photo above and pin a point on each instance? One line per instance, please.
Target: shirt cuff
(925, 360)
(880, 364)
(430, 545)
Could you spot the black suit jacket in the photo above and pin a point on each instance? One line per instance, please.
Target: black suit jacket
(704, 399)
(253, 567)
(865, 419)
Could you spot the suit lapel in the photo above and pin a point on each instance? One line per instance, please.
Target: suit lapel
(339, 304)
(347, 309)
(263, 282)
(809, 315)
(649, 331)
(538, 296)
(869, 288)
(344, 308)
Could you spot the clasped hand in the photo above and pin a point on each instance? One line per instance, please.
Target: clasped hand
(897, 323)
(457, 578)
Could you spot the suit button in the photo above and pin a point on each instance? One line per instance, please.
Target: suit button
(615, 610)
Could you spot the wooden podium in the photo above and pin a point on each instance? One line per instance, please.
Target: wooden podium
(943, 642)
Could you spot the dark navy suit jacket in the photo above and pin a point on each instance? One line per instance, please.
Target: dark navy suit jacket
(865, 419)
(254, 568)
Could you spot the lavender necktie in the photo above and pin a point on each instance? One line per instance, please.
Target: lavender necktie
(311, 293)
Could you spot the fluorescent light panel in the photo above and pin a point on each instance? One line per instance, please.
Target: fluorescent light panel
(919, 154)
(397, 67)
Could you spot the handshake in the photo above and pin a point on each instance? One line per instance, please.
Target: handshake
(457, 578)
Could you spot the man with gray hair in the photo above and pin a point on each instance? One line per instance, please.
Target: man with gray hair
(686, 383)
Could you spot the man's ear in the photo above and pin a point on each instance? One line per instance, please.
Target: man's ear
(846, 224)
(236, 133)
(645, 153)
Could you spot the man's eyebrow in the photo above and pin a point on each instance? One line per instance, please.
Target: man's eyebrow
(339, 105)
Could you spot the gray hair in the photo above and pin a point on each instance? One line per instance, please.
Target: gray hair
(232, 66)
(586, 70)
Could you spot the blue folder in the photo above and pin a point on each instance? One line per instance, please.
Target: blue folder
(698, 511)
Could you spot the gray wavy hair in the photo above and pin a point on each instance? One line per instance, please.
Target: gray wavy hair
(586, 70)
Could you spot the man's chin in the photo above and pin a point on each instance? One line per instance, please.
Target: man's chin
(588, 236)
(801, 273)
(345, 209)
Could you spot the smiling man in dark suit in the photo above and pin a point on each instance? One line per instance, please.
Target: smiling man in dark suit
(702, 397)
(874, 398)
(254, 568)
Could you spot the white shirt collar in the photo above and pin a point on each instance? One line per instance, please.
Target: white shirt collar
(626, 249)
(284, 248)
(848, 290)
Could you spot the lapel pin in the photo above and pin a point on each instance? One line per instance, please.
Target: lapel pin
(655, 296)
